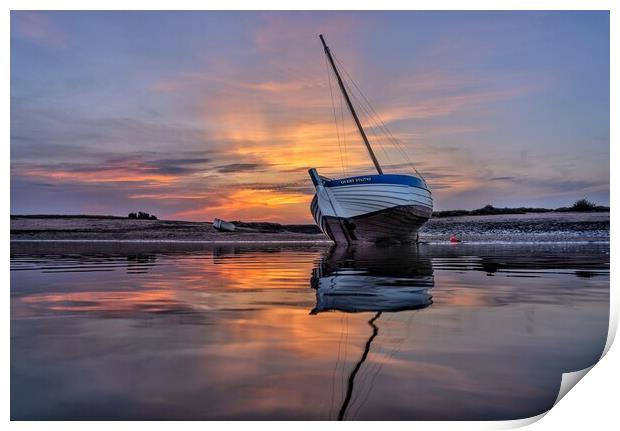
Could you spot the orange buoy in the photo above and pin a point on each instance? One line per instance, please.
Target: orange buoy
(453, 238)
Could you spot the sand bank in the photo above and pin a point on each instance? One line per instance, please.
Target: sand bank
(545, 227)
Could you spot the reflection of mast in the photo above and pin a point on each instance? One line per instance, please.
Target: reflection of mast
(347, 399)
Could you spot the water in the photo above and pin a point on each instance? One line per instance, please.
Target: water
(182, 331)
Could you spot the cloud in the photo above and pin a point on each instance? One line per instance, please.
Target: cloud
(171, 196)
(37, 27)
(179, 166)
(441, 105)
(252, 204)
(246, 120)
(300, 186)
(254, 130)
(238, 167)
(44, 128)
(502, 179)
(120, 168)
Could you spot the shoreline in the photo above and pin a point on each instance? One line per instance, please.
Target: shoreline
(301, 243)
(514, 228)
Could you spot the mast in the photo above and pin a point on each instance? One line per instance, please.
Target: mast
(350, 105)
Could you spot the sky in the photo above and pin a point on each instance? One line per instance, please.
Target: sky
(196, 115)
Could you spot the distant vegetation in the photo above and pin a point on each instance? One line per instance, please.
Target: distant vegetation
(141, 216)
(582, 205)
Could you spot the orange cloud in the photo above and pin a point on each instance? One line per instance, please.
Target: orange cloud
(112, 175)
(169, 196)
(253, 204)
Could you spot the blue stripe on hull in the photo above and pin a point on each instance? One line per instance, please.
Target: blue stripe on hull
(378, 179)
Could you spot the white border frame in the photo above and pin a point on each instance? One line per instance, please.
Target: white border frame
(592, 404)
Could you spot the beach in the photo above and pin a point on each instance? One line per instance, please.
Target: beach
(531, 227)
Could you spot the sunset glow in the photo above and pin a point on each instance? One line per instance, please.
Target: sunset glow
(196, 115)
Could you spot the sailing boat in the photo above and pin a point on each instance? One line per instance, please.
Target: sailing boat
(369, 208)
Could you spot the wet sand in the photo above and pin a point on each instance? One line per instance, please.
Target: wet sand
(535, 227)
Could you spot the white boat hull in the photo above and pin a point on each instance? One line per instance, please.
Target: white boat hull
(373, 208)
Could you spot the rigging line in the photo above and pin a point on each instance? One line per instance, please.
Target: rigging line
(395, 140)
(359, 90)
(376, 131)
(372, 120)
(378, 123)
(377, 138)
(331, 93)
(375, 332)
(399, 146)
(373, 125)
(367, 101)
(363, 113)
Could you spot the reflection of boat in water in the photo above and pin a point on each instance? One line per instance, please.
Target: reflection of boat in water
(372, 279)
